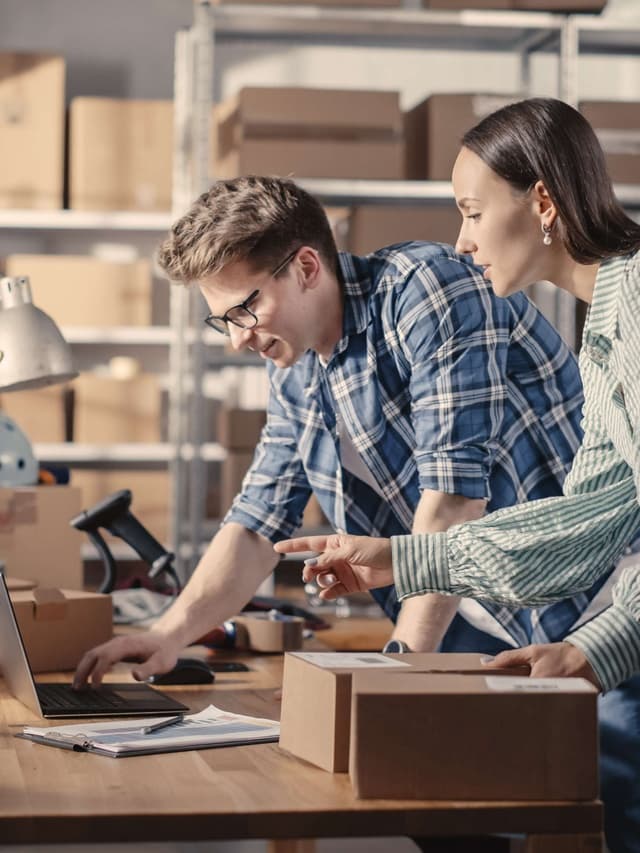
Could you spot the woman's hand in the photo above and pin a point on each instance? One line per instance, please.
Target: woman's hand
(551, 660)
(345, 563)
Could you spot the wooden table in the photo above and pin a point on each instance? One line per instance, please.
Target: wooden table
(58, 796)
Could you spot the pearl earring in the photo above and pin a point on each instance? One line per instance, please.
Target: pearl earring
(546, 230)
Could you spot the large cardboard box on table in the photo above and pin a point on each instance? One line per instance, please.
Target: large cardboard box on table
(316, 693)
(110, 410)
(617, 126)
(59, 626)
(441, 736)
(435, 127)
(120, 154)
(32, 130)
(36, 541)
(310, 133)
(81, 291)
(373, 226)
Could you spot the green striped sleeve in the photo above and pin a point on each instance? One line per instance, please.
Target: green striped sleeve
(530, 554)
(611, 644)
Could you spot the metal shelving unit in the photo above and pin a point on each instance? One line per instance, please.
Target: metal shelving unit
(520, 33)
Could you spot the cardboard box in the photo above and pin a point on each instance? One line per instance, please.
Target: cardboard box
(32, 130)
(109, 410)
(317, 687)
(80, 291)
(36, 541)
(617, 126)
(239, 429)
(435, 127)
(59, 626)
(259, 633)
(311, 133)
(43, 414)
(120, 154)
(472, 737)
(234, 467)
(151, 492)
(372, 227)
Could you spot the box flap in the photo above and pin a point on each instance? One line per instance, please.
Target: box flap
(48, 604)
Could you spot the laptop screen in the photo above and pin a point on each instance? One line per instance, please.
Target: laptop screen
(14, 663)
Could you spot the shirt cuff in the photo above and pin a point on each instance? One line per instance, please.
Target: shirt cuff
(420, 564)
(611, 644)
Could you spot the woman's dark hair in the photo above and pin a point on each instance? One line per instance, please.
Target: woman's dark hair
(543, 139)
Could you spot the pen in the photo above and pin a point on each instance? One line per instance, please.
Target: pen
(155, 727)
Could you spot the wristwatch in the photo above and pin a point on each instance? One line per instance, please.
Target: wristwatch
(395, 647)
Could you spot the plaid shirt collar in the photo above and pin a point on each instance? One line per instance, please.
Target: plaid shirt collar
(356, 283)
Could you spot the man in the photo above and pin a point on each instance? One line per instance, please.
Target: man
(402, 393)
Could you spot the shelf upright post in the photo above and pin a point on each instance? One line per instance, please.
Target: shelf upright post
(193, 82)
(565, 309)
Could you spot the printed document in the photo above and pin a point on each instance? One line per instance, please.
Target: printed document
(209, 728)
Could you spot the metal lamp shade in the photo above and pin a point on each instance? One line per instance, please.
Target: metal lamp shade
(33, 352)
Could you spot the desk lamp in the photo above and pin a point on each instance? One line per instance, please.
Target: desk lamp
(33, 354)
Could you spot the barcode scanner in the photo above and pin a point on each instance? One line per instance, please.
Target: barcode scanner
(114, 514)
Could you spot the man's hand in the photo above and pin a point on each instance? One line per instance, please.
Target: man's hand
(553, 660)
(347, 563)
(151, 650)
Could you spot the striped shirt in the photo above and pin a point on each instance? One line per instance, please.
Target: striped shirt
(435, 384)
(538, 552)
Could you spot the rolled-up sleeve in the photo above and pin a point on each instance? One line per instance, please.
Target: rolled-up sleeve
(456, 347)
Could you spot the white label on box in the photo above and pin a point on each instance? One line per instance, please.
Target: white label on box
(348, 660)
(525, 684)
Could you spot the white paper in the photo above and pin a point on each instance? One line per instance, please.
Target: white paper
(209, 727)
(525, 684)
(349, 660)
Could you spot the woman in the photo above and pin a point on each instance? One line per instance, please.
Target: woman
(537, 204)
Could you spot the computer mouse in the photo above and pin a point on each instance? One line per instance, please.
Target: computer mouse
(186, 671)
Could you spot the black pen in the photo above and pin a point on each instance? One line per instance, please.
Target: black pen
(155, 727)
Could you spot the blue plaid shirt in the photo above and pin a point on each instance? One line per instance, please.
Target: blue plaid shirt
(440, 385)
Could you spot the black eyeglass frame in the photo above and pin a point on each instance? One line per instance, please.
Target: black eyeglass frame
(215, 322)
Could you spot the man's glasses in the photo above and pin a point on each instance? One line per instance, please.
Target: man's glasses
(241, 315)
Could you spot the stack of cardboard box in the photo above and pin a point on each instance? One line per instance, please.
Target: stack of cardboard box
(41, 555)
(617, 126)
(310, 133)
(32, 130)
(440, 726)
(77, 290)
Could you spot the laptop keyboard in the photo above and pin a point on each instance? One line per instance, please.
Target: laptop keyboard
(62, 697)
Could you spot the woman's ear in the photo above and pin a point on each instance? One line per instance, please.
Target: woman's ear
(543, 205)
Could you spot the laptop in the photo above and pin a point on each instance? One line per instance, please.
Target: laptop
(56, 700)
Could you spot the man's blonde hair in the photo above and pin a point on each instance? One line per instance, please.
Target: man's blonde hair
(255, 219)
